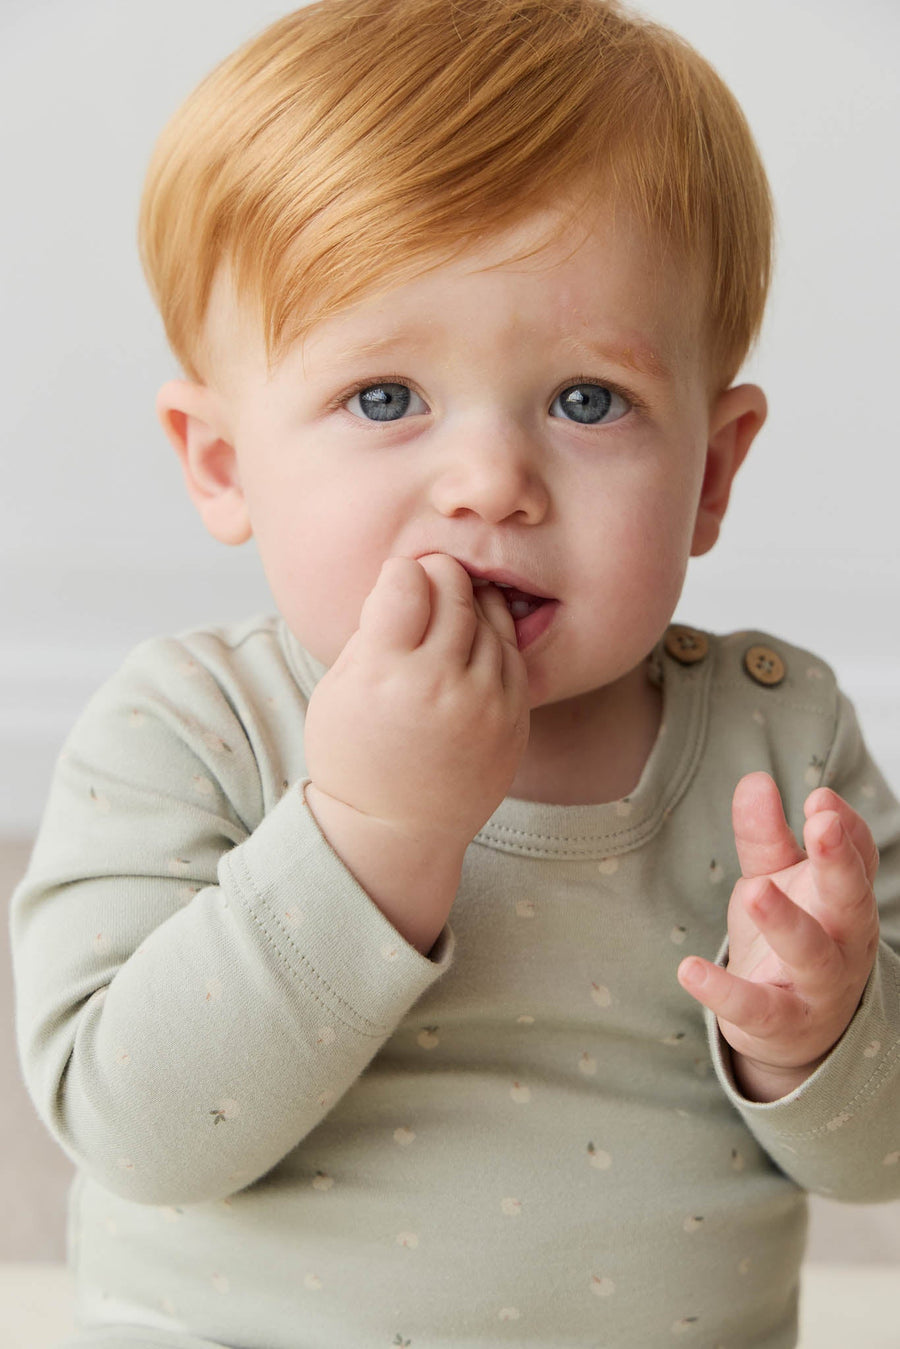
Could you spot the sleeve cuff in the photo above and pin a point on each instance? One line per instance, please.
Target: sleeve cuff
(851, 1076)
(335, 940)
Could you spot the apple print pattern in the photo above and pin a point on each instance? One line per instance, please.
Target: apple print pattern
(284, 1115)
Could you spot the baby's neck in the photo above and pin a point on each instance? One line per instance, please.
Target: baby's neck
(592, 749)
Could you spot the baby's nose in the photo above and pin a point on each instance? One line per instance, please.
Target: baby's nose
(497, 477)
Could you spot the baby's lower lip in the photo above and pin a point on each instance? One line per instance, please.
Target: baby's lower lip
(530, 628)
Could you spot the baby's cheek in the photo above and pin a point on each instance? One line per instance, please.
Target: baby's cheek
(323, 613)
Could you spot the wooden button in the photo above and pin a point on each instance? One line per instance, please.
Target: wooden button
(686, 645)
(764, 665)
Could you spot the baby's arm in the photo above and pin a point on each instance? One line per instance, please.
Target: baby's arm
(809, 998)
(199, 977)
(414, 736)
(803, 935)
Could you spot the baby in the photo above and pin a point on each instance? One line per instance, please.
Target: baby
(352, 959)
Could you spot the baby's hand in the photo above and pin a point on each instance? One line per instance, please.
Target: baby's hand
(423, 718)
(414, 735)
(803, 934)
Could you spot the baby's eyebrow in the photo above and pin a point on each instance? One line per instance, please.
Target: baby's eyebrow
(415, 335)
(630, 355)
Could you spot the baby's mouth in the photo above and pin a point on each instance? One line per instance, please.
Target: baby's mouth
(519, 602)
(532, 614)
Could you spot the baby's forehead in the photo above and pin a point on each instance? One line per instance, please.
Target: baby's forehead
(664, 293)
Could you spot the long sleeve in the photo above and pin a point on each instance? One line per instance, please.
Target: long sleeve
(838, 1134)
(198, 977)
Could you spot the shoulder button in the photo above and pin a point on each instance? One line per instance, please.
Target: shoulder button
(686, 645)
(764, 665)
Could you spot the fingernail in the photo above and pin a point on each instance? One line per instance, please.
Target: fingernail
(833, 834)
(696, 972)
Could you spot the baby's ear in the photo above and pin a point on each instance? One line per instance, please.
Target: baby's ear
(737, 415)
(191, 417)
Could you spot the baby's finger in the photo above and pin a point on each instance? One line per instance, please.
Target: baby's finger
(823, 798)
(842, 883)
(495, 609)
(454, 620)
(794, 936)
(496, 651)
(757, 1009)
(396, 612)
(762, 836)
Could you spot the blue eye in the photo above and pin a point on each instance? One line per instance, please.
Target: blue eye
(588, 404)
(382, 402)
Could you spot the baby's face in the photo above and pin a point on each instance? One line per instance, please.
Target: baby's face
(544, 421)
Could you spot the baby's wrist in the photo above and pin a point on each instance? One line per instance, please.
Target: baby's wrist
(763, 1083)
(411, 875)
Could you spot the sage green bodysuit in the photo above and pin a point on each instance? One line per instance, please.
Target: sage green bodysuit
(293, 1131)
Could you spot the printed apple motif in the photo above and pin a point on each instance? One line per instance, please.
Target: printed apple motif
(813, 774)
(602, 1286)
(322, 1181)
(519, 1093)
(680, 1327)
(601, 995)
(404, 1136)
(600, 1159)
(428, 1038)
(225, 1111)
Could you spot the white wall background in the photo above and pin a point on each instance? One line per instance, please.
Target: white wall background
(99, 546)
